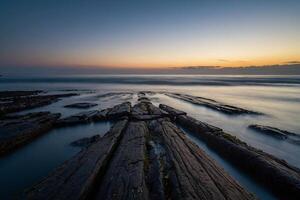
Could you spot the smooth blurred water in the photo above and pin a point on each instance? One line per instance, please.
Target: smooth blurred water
(31, 163)
(278, 97)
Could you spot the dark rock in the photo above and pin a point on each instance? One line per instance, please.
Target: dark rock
(212, 104)
(145, 99)
(85, 142)
(147, 111)
(140, 160)
(19, 103)
(8, 95)
(193, 175)
(280, 177)
(79, 118)
(125, 178)
(81, 105)
(76, 178)
(102, 115)
(123, 109)
(272, 131)
(172, 111)
(154, 170)
(18, 130)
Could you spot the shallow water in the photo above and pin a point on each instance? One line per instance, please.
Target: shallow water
(31, 163)
(278, 97)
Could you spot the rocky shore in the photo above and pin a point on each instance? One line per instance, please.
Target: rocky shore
(140, 158)
(280, 177)
(145, 154)
(15, 101)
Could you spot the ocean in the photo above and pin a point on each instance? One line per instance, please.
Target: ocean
(278, 97)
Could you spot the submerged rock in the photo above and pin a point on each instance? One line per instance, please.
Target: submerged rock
(20, 102)
(79, 118)
(85, 142)
(172, 111)
(18, 130)
(81, 105)
(9, 95)
(272, 131)
(212, 104)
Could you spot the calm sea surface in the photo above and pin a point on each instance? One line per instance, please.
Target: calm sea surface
(278, 97)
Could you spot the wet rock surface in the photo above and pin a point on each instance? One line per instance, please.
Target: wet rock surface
(277, 175)
(80, 118)
(9, 95)
(20, 100)
(145, 155)
(272, 131)
(81, 105)
(140, 159)
(120, 110)
(18, 130)
(85, 142)
(212, 104)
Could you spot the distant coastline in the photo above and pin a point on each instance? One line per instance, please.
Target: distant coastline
(279, 69)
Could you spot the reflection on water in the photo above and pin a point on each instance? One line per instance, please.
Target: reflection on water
(34, 161)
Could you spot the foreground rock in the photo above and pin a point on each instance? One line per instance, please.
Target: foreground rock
(85, 142)
(22, 102)
(121, 110)
(77, 178)
(125, 178)
(16, 131)
(127, 164)
(212, 104)
(81, 105)
(280, 177)
(191, 173)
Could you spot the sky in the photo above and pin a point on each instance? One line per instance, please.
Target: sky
(148, 33)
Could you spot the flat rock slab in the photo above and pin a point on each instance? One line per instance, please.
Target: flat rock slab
(81, 105)
(121, 110)
(20, 103)
(125, 178)
(80, 118)
(193, 175)
(8, 95)
(16, 131)
(147, 111)
(146, 159)
(212, 104)
(76, 178)
(272, 131)
(172, 111)
(280, 177)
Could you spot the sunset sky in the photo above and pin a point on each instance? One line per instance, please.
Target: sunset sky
(148, 33)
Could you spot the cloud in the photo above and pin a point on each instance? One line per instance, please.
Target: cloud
(223, 60)
(292, 62)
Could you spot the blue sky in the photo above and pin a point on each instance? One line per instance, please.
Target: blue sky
(140, 33)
